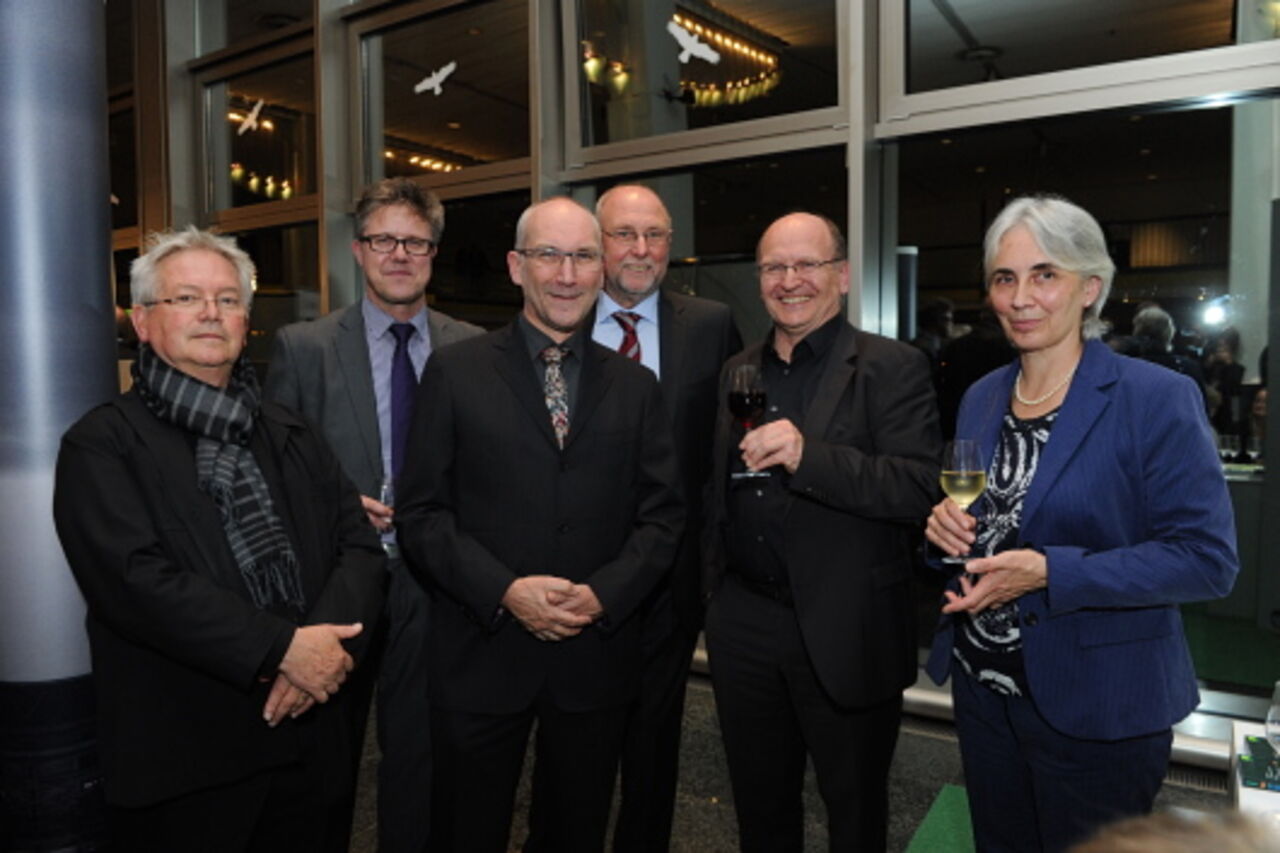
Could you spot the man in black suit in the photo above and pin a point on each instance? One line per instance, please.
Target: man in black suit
(340, 373)
(810, 624)
(231, 578)
(684, 340)
(540, 505)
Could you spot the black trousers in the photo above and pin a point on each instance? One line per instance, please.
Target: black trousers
(773, 713)
(404, 727)
(296, 807)
(651, 744)
(477, 764)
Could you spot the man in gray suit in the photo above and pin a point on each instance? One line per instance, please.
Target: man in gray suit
(354, 374)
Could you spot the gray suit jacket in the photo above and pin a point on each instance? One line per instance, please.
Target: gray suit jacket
(320, 369)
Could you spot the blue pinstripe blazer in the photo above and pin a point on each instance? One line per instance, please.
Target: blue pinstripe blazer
(1131, 510)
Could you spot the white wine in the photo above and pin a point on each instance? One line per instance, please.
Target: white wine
(963, 487)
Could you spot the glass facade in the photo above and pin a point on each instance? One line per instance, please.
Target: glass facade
(653, 68)
(469, 277)
(287, 287)
(962, 42)
(123, 168)
(449, 91)
(222, 23)
(261, 135)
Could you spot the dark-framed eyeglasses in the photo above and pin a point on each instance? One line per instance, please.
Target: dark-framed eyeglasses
(385, 244)
(804, 269)
(631, 236)
(546, 256)
(191, 303)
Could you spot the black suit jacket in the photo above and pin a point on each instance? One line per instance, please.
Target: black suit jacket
(178, 649)
(695, 337)
(488, 497)
(867, 477)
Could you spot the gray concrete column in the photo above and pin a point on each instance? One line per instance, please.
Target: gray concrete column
(57, 359)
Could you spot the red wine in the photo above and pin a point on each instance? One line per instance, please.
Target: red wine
(747, 406)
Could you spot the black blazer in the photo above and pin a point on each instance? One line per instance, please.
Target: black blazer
(867, 477)
(695, 337)
(178, 648)
(488, 496)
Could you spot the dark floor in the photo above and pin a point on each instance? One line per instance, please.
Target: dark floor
(926, 759)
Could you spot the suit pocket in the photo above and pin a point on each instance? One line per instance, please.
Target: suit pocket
(1111, 627)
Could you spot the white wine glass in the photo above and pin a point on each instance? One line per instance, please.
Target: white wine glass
(964, 479)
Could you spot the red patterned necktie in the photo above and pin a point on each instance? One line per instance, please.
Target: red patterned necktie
(630, 346)
(556, 392)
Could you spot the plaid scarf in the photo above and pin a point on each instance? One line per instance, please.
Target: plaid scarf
(223, 421)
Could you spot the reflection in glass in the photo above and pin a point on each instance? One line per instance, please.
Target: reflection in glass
(1160, 184)
(652, 68)
(287, 287)
(449, 91)
(225, 22)
(119, 44)
(261, 135)
(469, 277)
(121, 259)
(959, 42)
(124, 169)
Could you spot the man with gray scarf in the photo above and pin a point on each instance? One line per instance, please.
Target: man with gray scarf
(230, 575)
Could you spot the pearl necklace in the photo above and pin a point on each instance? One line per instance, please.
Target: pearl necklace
(1017, 389)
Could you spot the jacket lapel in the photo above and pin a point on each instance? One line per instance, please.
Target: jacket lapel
(836, 376)
(593, 382)
(672, 341)
(1086, 400)
(352, 353)
(512, 363)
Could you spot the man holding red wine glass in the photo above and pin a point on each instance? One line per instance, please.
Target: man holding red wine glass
(810, 629)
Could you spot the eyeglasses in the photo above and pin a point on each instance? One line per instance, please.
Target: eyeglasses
(190, 303)
(802, 268)
(545, 256)
(631, 235)
(385, 244)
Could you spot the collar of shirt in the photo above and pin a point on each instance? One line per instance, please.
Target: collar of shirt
(813, 345)
(377, 322)
(536, 340)
(608, 332)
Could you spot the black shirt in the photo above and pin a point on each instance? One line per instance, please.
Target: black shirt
(755, 535)
(571, 367)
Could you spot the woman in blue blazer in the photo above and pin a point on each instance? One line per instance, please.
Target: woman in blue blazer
(1105, 508)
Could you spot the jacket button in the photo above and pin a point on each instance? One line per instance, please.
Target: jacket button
(1031, 620)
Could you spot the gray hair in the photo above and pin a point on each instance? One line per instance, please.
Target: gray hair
(522, 224)
(1155, 323)
(401, 191)
(143, 278)
(1068, 235)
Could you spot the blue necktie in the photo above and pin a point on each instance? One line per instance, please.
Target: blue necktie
(403, 385)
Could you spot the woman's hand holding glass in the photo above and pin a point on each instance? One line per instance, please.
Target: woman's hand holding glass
(998, 579)
(952, 529)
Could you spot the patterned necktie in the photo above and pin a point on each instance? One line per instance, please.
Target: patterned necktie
(556, 391)
(403, 383)
(630, 346)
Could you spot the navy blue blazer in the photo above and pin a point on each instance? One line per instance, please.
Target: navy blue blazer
(1131, 510)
